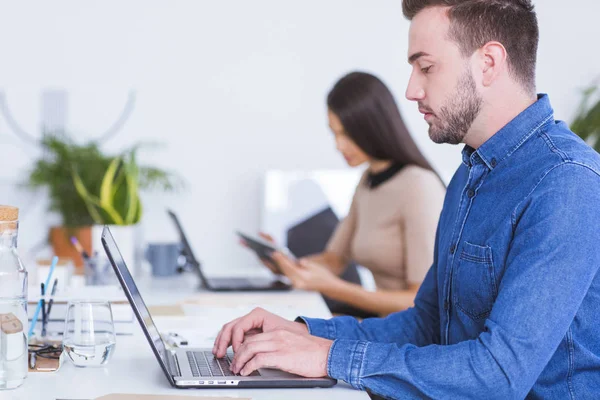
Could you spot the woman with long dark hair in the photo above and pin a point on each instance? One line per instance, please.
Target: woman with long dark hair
(390, 228)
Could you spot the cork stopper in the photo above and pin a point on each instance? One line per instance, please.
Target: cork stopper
(9, 214)
(12, 326)
(6, 317)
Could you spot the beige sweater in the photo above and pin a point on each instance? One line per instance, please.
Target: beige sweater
(390, 229)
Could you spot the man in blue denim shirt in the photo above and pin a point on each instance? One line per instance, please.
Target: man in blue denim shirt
(509, 308)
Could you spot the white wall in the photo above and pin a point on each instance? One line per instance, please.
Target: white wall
(231, 88)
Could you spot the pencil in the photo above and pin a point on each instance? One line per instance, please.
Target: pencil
(79, 248)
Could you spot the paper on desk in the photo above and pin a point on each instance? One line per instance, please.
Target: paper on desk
(174, 310)
(123, 396)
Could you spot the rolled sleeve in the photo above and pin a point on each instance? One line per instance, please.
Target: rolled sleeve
(345, 360)
(324, 328)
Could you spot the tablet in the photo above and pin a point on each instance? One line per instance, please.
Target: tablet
(264, 248)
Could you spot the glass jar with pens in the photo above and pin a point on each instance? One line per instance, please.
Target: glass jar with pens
(13, 303)
(44, 304)
(97, 269)
(46, 300)
(40, 347)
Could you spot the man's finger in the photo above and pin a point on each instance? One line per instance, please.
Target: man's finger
(220, 334)
(251, 321)
(261, 360)
(223, 338)
(247, 351)
(251, 333)
(261, 337)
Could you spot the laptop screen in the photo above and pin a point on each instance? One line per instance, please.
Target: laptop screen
(130, 288)
(191, 258)
(186, 245)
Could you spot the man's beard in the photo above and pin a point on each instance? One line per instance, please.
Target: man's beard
(457, 115)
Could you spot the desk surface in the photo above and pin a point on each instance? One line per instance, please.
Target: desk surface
(133, 368)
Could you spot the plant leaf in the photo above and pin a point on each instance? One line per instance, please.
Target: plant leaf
(586, 123)
(133, 200)
(107, 192)
(89, 200)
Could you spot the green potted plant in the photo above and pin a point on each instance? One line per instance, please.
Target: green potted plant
(89, 189)
(587, 121)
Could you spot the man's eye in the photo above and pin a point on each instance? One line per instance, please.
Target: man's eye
(426, 69)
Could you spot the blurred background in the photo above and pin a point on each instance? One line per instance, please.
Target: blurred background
(228, 90)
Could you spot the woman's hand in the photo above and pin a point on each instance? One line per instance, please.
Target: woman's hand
(306, 274)
(266, 262)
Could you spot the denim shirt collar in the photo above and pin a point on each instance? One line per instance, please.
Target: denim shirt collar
(508, 139)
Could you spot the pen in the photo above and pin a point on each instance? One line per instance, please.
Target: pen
(43, 307)
(79, 248)
(50, 302)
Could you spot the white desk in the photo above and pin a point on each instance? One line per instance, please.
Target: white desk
(133, 368)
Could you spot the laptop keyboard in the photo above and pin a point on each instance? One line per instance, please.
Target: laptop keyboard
(238, 282)
(204, 363)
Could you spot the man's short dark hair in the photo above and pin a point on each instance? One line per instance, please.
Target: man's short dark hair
(473, 23)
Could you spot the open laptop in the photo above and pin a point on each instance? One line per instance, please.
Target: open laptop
(193, 367)
(224, 283)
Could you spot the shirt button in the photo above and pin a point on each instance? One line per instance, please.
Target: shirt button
(470, 193)
(452, 249)
(493, 163)
(446, 305)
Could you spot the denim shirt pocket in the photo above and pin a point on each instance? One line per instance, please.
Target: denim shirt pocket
(474, 281)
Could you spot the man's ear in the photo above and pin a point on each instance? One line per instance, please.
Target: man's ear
(492, 61)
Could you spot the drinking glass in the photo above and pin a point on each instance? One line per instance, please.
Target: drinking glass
(89, 336)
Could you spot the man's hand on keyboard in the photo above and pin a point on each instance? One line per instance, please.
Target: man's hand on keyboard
(292, 352)
(257, 321)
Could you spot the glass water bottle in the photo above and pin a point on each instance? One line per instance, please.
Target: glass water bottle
(13, 304)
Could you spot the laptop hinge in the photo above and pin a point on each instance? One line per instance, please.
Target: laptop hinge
(173, 364)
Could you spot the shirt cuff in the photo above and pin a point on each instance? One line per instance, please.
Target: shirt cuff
(324, 328)
(345, 360)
